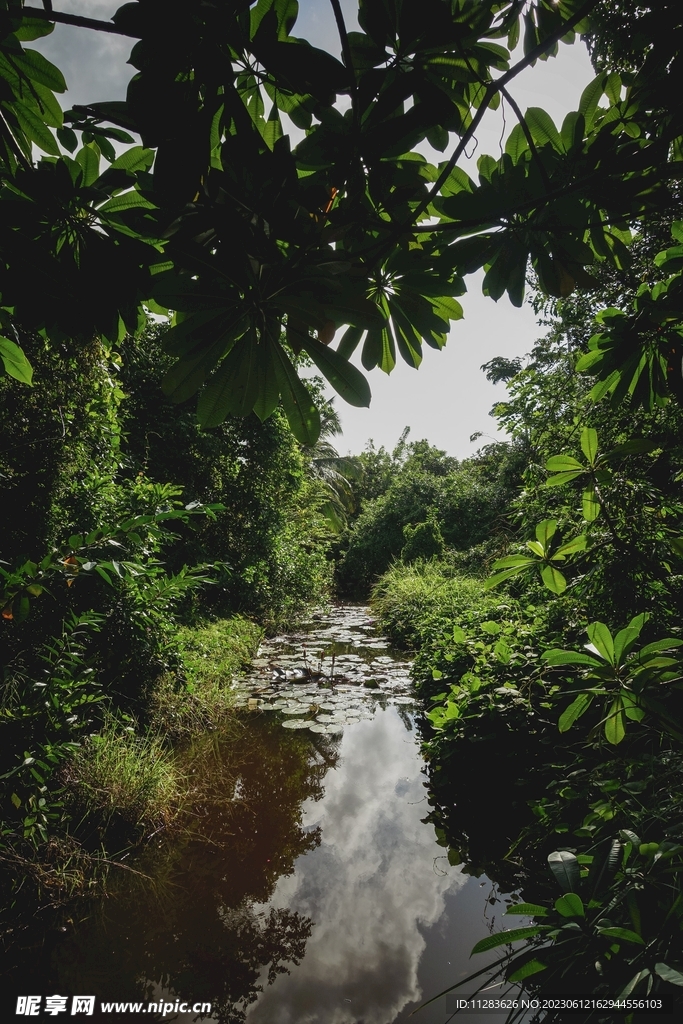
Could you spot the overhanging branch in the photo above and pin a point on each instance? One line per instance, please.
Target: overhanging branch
(76, 20)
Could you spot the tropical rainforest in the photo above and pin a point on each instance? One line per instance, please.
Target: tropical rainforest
(186, 274)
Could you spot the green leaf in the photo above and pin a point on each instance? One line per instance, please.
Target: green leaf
(615, 723)
(545, 531)
(137, 158)
(589, 444)
(520, 561)
(499, 577)
(563, 464)
(300, 410)
(590, 506)
(346, 380)
(553, 579)
(542, 128)
(126, 201)
(350, 341)
(572, 546)
(503, 938)
(578, 707)
(570, 905)
(632, 708)
(565, 868)
(625, 934)
(35, 128)
(15, 362)
(669, 974)
(88, 158)
(560, 479)
(527, 910)
(557, 657)
(530, 967)
(234, 387)
(601, 638)
(39, 69)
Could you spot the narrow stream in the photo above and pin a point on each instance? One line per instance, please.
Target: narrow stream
(307, 888)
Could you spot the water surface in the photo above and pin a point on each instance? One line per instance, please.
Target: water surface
(307, 887)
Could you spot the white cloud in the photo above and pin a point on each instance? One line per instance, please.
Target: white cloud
(371, 887)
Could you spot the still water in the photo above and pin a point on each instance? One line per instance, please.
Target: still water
(307, 888)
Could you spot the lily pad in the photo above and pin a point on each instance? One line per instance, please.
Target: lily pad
(297, 724)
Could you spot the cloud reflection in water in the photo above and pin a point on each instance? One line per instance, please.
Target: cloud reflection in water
(371, 887)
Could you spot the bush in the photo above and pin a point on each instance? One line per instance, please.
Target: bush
(414, 602)
(467, 500)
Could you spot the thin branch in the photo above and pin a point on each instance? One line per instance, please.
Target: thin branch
(492, 89)
(348, 59)
(76, 20)
(527, 135)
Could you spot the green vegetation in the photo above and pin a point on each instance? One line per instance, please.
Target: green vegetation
(212, 654)
(141, 562)
(417, 501)
(554, 682)
(120, 774)
(540, 582)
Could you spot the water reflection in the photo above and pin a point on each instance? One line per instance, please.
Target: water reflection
(307, 887)
(372, 887)
(200, 930)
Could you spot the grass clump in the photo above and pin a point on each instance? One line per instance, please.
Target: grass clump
(212, 654)
(411, 600)
(120, 776)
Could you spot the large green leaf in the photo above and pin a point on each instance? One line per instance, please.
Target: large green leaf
(623, 934)
(557, 657)
(504, 938)
(527, 910)
(530, 968)
(553, 579)
(565, 868)
(578, 707)
(233, 389)
(342, 375)
(589, 444)
(570, 905)
(667, 973)
(300, 410)
(39, 69)
(35, 128)
(615, 723)
(126, 201)
(15, 362)
(601, 639)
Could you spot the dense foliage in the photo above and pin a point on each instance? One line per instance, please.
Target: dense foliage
(220, 217)
(124, 520)
(569, 650)
(423, 502)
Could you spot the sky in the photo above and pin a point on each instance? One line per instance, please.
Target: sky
(448, 398)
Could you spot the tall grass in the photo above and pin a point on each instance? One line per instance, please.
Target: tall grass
(212, 655)
(409, 598)
(120, 776)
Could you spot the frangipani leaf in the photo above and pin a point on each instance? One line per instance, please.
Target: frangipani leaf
(578, 707)
(504, 938)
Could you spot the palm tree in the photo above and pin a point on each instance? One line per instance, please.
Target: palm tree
(334, 471)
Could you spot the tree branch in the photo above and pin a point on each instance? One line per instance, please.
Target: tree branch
(492, 89)
(346, 53)
(527, 135)
(76, 20)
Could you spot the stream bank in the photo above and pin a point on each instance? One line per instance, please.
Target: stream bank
(307, 887)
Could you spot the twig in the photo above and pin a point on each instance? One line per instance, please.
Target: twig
(77, 21)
